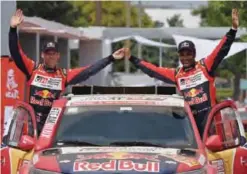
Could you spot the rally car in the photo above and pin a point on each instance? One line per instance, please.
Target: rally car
(125, 133)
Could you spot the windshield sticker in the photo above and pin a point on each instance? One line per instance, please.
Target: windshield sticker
(170, 151)
(125, 108)
(126, 99)
(132, 102)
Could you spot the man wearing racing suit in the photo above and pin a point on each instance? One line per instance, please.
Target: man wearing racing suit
(195, 80)
(46, 81)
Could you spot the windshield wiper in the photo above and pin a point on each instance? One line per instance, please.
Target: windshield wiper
(76, 142)
(135, 143)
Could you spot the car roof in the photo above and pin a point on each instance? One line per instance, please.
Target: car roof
(126, 99)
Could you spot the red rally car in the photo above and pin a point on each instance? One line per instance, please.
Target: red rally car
(124, 133)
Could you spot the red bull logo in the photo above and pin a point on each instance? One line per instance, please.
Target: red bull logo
(194, 92)
(117, 165)
(44, 94)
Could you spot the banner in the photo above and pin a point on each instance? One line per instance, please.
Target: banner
(12, 88)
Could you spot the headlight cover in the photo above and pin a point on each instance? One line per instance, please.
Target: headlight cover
(38, 171)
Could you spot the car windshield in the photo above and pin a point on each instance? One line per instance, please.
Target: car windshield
(126, 125)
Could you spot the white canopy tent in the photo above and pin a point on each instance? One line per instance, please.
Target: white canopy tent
(144, 41)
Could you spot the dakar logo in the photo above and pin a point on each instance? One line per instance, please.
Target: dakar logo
(11, 85)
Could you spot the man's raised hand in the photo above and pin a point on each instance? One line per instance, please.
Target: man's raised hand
(119, 54)
(235, 19)
(17, 18)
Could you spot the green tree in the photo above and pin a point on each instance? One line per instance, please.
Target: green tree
(218, 13)
(175, 21)
(83, 14)
(59, 11)
(113, 14)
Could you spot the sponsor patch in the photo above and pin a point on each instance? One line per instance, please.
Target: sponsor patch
(219, 164)
(202, 160)
(50, 122)
(183, 159)
(47, 82)
(192, 80)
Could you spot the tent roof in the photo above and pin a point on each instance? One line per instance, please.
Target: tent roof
(46, 27)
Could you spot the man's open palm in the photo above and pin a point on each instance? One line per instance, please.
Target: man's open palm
(119, 54)
(16, 19)
(235, 19)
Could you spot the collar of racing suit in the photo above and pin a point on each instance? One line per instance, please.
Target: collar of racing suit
(49, 70)
(190, 67)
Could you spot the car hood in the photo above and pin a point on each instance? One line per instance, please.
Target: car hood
(117, 159)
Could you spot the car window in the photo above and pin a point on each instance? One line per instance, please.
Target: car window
(103, 125)
(21, 124)
(226, 125)
(243, 115)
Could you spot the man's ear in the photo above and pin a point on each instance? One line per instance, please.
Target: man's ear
(58, 56)
(42, 55)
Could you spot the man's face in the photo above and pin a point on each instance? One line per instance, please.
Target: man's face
(187, 58)
(51, 58)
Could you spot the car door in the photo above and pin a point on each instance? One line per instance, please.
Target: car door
(22, 122)
(225, 140)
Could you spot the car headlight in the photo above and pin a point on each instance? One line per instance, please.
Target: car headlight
(38, 171)
(200, 171)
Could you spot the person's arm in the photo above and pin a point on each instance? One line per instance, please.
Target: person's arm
(78, 75)
(164, 74)
(25, 64)
(215, 58)
(222, 49)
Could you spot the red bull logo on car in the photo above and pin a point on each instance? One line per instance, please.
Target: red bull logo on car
(117, 165)
(117, 162)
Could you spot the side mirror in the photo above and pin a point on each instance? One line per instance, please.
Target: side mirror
(26, 143)
(214, 143)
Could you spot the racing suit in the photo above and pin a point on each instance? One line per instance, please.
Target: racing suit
(46, 84)
(196, 84)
